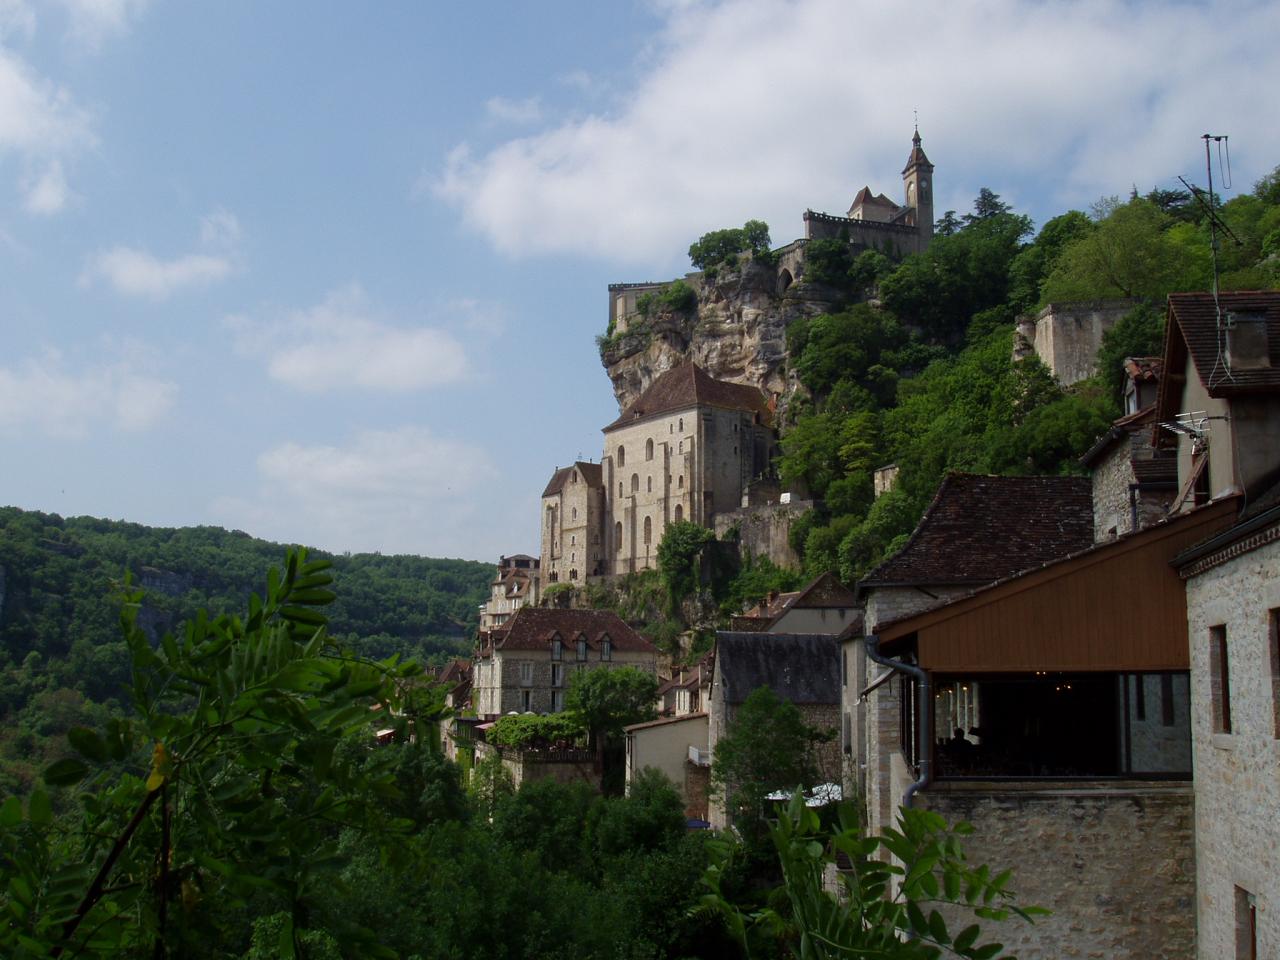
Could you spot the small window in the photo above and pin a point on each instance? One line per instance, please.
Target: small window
(526, 673)
(617, 536)
(679, 513)
(557, 649)
(606, 648)
(619, 488)
(574, 513)
(573, 539)
(648, 530)
(622, 456)
(648, 485)
(1219, 679)
(526, 701)
(635, 483)
(680, 481)
(682, 424)
(680, 447)
(573, 477)
(582, 649)
(648, 449)
(557, 701)
(557, 674)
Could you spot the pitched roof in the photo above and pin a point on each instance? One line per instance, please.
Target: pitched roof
(798, 667)
(533, 628)
(1122, 428)
(982, 528)
(917, 155)
(686, 386)
(1143, 368)
(826, 592)
(592, 475)
(1192, 330)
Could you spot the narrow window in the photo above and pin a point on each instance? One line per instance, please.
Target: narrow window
(1166, 699)
(844, 668)
(557, 701)
(1219, 679)
(526, 673)
(1139, 696)
(682, 424)
(622, 456)
(1273, 643)
(557, 674)
(679, 513)
(582, 649)
(557, 651)
(648, 485)
(606, 648)
(680, 481)
(648, 449)
(648, 530)
(619, 488)
(526, 700)
(635, 483)
(1246, 925)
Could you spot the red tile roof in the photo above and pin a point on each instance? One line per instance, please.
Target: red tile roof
(533, 628)
(982, 528)
(688, 386)
(1142, 368)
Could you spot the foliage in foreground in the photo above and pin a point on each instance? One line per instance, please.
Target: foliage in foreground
(884, 909)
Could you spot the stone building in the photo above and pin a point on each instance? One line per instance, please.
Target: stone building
(1134, 481)
(686, 449)
(803, 669)
(515, 583)
(573, 524)
(1067, 336)
(526, 664)
(824, 605)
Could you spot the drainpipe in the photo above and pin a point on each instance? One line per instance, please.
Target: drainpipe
(924, 691)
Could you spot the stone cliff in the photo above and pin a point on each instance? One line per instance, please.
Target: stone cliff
(737, 332)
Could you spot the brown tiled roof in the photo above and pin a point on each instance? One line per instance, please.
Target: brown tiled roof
(592, 475)
(982, 528)
(917, 154)
(1156, 470)
(1142, 368)
(825, 592)
(686, 386)
(866, 196)
(533, 628)
(1192, 330)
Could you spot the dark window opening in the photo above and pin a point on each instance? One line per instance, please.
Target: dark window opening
(1219, 680)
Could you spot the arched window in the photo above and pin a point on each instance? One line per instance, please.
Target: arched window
(573, 539)
(680, 481)
(574, 513)
(648, 449)
(648, 529)
(619, 488)
(622, 457)
(617, 537)
(679, 513)
(648, 485)
(635, 483)
(682, 424)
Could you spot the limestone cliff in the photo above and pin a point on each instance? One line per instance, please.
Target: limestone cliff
(738, 332)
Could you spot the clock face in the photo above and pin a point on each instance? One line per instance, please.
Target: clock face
(924, 189)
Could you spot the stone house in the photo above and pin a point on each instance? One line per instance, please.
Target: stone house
(1134, 480)
(573, 524)
(526, 664)
(687, 690)
(1221, 414)
(515, 583)
(685, 449)
(824, 605)
(1052, 710)
(803, 669)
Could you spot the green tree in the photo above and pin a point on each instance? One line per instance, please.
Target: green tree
(682, 546)
(722, 247)
(884, 908)
(608, 700)
(1139, 333)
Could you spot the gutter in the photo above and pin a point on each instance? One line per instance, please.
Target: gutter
(1239, 530)
(924, 697)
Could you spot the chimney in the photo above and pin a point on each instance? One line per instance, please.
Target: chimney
(1247, 347)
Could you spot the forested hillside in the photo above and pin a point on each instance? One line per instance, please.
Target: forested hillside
(63, 661)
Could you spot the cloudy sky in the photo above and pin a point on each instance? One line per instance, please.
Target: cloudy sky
(330, 272)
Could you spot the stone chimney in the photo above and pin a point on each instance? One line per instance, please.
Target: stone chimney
(1247, 347)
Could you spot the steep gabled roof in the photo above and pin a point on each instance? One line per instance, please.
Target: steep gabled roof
(982, 528)
(592, 475)
(826, 592)
(917, 156)
(802, 668)
(533, 628)
(686, 387)
(1143, 369)
(1192, 330)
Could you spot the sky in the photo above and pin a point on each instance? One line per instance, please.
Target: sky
(330, 273)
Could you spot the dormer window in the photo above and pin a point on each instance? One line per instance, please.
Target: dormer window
(606, 648)
(582, 648)
(557, 649)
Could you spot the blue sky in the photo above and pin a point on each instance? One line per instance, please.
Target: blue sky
(331, 273)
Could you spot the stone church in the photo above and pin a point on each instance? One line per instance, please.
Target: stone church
(686, 449)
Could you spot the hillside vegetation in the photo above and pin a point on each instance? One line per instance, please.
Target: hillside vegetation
(63, 661)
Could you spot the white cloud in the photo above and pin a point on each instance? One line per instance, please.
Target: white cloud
(17, 19)
(752, 108)
(90, 22)
(528, 110)
(47, 193)
(137, 273)
(344, 342)
(403, 490)
(44, 393)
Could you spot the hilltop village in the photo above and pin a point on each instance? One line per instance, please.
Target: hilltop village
(1085, 667)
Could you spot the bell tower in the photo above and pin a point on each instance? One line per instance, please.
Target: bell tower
(917, 184)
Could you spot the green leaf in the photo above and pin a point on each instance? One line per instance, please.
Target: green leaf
(87, 743)
(10, 812)
(966, 937)
(63, 773)
(39, 809)
(285, 943)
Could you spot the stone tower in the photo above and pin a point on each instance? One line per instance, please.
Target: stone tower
(917, 184)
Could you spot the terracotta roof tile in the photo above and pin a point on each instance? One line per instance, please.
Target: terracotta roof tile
(686, 386)
(982, 528)
(1143, 368)
(592, 475)
(532, 628)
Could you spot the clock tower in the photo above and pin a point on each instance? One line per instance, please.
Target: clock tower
(917, 184)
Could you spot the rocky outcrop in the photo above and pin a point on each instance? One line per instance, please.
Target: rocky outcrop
(737, 333)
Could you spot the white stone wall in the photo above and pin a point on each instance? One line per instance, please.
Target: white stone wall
(572, 532)
(1237, 775)
(1068, 335)
(665, 747)
(500, 687)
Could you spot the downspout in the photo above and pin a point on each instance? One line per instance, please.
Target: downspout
(924, 694)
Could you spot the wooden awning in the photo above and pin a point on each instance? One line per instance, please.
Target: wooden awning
(1117, 607)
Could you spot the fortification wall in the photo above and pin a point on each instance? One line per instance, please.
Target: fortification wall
(764, 530)
(1067, 336)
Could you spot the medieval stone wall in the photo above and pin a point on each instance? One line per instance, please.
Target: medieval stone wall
(1115, 863)
(1067, 336)
(765, 530)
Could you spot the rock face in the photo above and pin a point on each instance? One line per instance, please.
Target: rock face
(738, 333)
